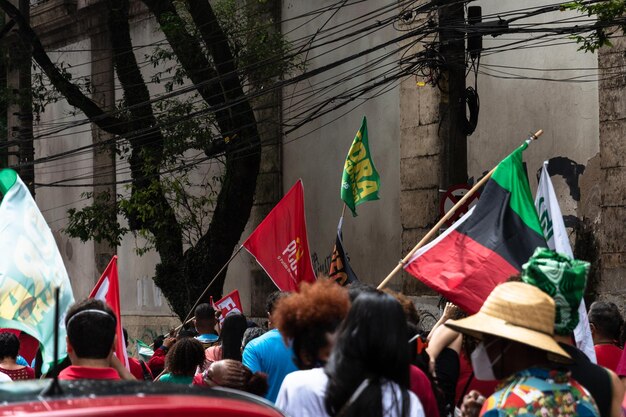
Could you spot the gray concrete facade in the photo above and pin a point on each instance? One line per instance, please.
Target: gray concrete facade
(583, 125)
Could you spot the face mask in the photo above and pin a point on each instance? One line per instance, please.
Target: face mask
(481, 364)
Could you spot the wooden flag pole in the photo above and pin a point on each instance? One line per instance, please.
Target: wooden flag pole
(445, 218)
(206, 290)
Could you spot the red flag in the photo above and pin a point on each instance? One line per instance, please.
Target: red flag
(231, 303)
(280, 244)
(489, 244)
(108, 290)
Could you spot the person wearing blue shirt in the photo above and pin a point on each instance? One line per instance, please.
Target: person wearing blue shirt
(269, 354)
(205, 322)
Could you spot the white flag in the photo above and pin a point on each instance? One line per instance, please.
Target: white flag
(556, 235)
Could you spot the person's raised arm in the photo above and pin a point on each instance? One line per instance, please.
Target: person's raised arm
(124, 373)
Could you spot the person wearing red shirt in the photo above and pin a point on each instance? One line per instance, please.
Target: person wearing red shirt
(157, 361)
(9, 348)
(139, 369)
(90, 328)
(606, 323)
(420, 385)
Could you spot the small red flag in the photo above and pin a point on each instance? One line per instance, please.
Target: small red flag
(231, 303)
(280, 244)
(108, 290)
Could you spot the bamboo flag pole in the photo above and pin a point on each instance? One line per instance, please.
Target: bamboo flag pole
(445, 218)
(206, 290)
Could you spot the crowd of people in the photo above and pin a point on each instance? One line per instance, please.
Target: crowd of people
(329, 350)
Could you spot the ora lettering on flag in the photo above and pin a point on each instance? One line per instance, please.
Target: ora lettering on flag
(359, 168)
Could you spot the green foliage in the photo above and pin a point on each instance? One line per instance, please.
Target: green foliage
(99, 221)
(43, 93)
(189, 179)
(193, 203)
(261, 52)
(607, 13)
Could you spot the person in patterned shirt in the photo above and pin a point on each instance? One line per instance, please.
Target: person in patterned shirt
(515, 327)
(9, 348)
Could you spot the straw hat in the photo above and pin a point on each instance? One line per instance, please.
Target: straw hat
(518, 312)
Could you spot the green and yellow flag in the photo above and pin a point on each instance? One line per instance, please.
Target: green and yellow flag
(31, 269)
(360, 181)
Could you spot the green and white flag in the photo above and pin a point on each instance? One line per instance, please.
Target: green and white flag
(558, 240)
(30, 269)
(360, 181)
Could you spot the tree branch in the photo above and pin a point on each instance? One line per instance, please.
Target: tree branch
(70, 91)
(147, 149)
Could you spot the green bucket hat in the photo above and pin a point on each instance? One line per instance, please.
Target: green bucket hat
(562, 278)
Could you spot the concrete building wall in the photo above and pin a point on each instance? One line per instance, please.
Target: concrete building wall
(81, 28)
(524, 89)
(612, 224)
(55, 201)
(405, 123)
(405, 145)
(317, 152)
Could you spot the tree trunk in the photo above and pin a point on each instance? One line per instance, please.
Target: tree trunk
(236, 121)
(145, 163)
(181, 276)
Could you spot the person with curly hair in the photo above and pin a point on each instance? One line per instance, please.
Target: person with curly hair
(367, 373)
(233, 374)
(308, 319)
(182, 360)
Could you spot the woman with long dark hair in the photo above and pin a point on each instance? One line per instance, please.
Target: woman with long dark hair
(368, 370)
(231, 335)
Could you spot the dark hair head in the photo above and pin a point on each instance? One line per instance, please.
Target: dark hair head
(90, 328)
(204, 311)
(234, 327)
(239, 377)
(305, 318)
(371, 344)
(410, 311)
(606, 319)
(158, 342)
(185, 357)
(251, 333)
(204, 320)
(272, 299)
(9, 345)
(186, 333)
(357, 288)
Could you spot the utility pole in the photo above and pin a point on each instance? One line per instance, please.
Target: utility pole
(20, 111)
(4, 136)
(452, 104)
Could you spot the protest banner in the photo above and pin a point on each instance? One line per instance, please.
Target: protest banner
(556, 236)
(360, 181)
(107, 289)
(31, 268)
(280, 244)
(231, 303)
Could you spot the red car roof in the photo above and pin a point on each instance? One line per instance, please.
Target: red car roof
(126, 399)
(148, 406)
